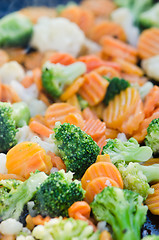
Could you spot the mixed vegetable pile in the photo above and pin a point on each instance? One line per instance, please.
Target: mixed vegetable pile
(79, 121)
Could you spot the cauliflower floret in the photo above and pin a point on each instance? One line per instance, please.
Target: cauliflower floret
(24, 134)
(11, 71)
(57, 34)
(36, 107)
(47, 144)
(150, 66)
(123, 16)
(3, 168)
(10, 227)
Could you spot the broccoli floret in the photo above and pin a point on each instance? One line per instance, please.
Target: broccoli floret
(55, 77)
(57, 194)
(12, 203)
(136, 177)
(8, 185)
(152, 137)
(65, 229)
(129, 151)
(122, 209)
(116, 85)
(15, 30)
(151, 237)
(21, 114)
(7, 127)
(82, 102)
(75, 147)
(150, 18)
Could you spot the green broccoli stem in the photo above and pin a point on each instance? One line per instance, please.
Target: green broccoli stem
(139, 155)
(151, 172)
(72, 71)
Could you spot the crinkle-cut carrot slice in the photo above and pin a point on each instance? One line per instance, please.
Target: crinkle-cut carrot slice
(121, 107)
(107, 72)
(94, 88)
(117, 49)
(43, 97)
(134, 78)
(101, 142)
(106, 28)
(152, 200)
(57, 112)
(11, 176)
(73, 100)
(8, 94)
(37, 78)
(40, 128)
(151, 101)
(148, 43)
(99, 110)
(96, 186)
(57, 161)
(62, 58)
(84, 18)
(39, 118)
(72, 89)
(94, 128)
(92, 62)
(81, 207)
(75, 119)
(142, 131)
(4, 57)
(27, 81)
(99, 8)
(89, 114)
(33, 60)
(129, 68)
(103, 158)
(111, 133)
(101, 169)
(151, 161)
(131, 124)
(27, 157)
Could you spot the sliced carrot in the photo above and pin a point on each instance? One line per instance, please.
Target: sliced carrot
(94, 88)
(94, 128)
(44, 98)
(57, 112)
(105, 235)
(101, 169)
(101, 142)
(148, 43)
(62, 58)
(111, 133)
(74, 102)
(27, 81)
(115, 48)
(39, 118)
(72, 89)
(107, 72)
(96, 186)
(99, 110)
(27, 157)
(4, 57)
(8, 94)
(33, 60)
(57, 161)
(89, 114)
(107, 28)
(81, 207)
(40, 128)
(75, 119)
(151, 162)
(103, 158)
(7, 237)
(11, 176)
(16, 54)
(151, 101)
(37, 78)
(31, 222)
(134, 79)
(152, 200)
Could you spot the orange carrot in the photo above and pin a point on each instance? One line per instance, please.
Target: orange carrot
(99, 110)
(101, 169)
(7, 237)
(105, 235)
(8, 94)
(37, 78)
(106, 71)
(151, 101)
(106, 28)
(103, 158)
(74, 102)
(33, 60)
(89, 114)
(31, 222)
(96, 186)
(134, 79)
(101, 142)
(62, 58)
(27, 81)
(16, 54)
(152, 200)
(57, 112)
(57, 161)
(39, 118)
(151, 161)
(4, 57)
(40, 128)
(111, 133)
(148, 43)
(72, 89)
(11, 176)
(27, 157)
(76, 119)
(94, 128)
(44, 98)
(94, 88)
(115, 48)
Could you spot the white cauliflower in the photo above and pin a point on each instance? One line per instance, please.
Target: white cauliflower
(57, 34)
(47, 144)
(3, 168)
(11, 71)
(151, 67)
(36, 107)
(24, 134)
(124, 17)
(10, 227)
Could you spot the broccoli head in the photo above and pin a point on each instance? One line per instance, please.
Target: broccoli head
(82, 102)
(122, 209)
(129, 151)
(57, 194)
(115, 86)
(12, 202)
(152, 137)
(75, 147)
(55, 77)
(65, 229)
(8, 185)
(150, 18)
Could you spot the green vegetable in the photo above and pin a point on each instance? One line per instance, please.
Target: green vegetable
(152, 137)
(7, 127)
(151, 237)
(12, 203)
(15, 30)
(76, 148)
(83, 103)
(21, 114)
(150, 18)
(129, 151)
(55, 77)
(8, 185)
(122, 209)
(57, 194)
(115, 86)
(68, 229)
(136, 177)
